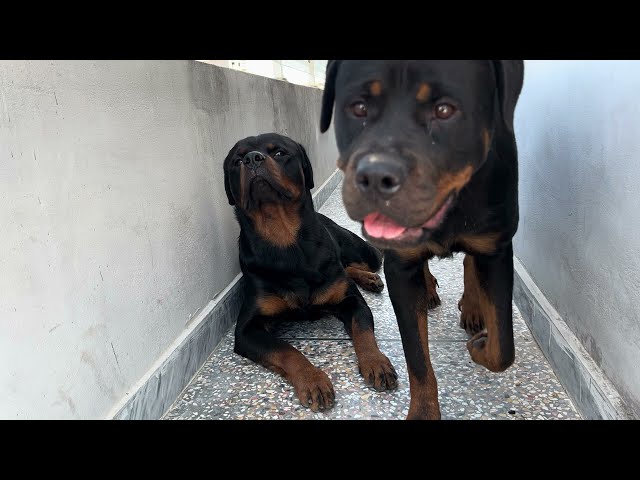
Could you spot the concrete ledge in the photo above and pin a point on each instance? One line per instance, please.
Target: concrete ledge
(591, 392)
(324, 191)
(154, 393)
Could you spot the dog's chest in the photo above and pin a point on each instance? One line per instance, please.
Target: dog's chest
(301, 295)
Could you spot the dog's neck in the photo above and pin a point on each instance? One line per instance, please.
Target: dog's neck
(277, 223)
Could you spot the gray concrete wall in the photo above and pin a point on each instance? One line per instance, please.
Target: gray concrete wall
(578, 132)
(115, 226)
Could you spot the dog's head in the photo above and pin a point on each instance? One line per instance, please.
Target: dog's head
(411, 135)
(268, 168)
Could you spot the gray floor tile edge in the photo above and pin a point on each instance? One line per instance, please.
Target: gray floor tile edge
(163, 383)
(323, 192)
(593, 395)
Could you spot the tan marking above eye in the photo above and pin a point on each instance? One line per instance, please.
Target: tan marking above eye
(424, 92)
(375, 88)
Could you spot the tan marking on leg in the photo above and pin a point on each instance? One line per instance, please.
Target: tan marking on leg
(424, 394)
(433, 300)
(374, 365)
(478, 312)
(312, 385)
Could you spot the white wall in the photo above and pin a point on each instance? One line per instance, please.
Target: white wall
(578, 131)
(115, 225)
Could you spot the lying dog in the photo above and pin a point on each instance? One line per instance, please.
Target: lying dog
(297, 264)
(430, 161)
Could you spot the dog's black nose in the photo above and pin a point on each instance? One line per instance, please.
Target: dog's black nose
(380, 174)
(253, 159)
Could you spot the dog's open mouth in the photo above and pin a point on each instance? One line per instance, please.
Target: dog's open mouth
(379, 227)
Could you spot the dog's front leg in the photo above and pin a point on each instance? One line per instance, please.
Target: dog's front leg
(374, 366)
(312, 385)
(408, 292)
(488, 289)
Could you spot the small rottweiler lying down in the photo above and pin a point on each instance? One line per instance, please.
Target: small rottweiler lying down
(431, 168)
(297, 264)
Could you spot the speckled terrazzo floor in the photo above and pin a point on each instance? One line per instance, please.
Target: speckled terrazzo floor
(231, 387)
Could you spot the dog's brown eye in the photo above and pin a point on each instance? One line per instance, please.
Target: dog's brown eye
(359, 109)
(445, 110)
(279, 153)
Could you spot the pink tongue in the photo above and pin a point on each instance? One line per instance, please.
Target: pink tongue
(379, 226)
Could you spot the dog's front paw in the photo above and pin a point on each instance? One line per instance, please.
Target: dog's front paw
(433, 299)
(471, 319)
(378, 372)
(482, 354)
(314, 390)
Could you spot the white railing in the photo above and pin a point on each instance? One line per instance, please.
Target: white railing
(310, 73)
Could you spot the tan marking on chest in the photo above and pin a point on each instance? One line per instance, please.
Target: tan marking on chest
(484, 243)
(272, 305)
(333, 294)
(423, 251)
(277, 224)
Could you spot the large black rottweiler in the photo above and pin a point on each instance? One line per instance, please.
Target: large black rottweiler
(297, 264)
(430, 161)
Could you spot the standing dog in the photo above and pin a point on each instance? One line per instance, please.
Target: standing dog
(430, 161)
(297, 264)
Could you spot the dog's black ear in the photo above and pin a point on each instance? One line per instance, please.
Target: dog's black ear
(328, 96)
(227, 184)
(509, 77)
(307, 171)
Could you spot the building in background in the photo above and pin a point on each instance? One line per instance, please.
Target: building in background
(309, 73)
